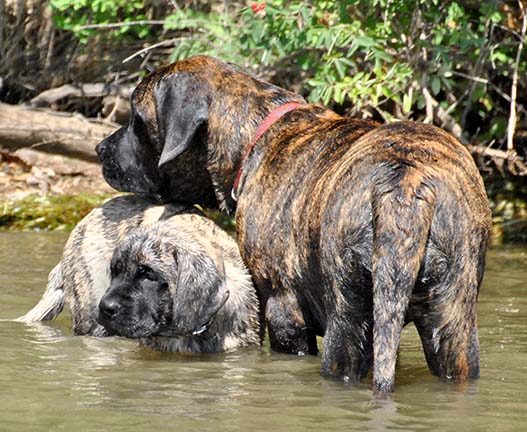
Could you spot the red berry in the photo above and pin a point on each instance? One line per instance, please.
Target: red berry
(257, 7)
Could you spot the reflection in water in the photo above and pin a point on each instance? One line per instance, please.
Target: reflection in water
(383, 414)
(51, 380)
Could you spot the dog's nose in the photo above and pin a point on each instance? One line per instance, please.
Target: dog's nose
(109, 307)
(99, 148)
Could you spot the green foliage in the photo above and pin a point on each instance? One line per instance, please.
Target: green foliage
(375, 55)
(72, 15)
(341, 59)
(60, 213)
(371, 57)
(225, 221)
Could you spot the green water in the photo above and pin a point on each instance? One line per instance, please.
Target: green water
(53, 381)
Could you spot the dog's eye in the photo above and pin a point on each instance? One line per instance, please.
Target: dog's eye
(145, 272)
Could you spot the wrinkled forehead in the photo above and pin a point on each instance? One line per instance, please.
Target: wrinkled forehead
(139, 242)
(146, 245)
(143, 96)
(143, 101)
(206, 68)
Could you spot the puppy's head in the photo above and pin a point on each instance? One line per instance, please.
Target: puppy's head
(162, 285)
(164, 142)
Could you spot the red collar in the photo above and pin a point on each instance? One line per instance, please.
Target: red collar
(267, 122)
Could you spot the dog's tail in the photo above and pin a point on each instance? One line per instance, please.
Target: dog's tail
(52, 301)
(402, 218)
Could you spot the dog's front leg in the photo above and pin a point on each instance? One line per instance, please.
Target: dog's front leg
(347, 352)
(287, 327)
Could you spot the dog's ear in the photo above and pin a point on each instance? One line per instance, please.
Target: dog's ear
(200, 293)
(181, 109)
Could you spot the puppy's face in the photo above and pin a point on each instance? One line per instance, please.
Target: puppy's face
(164, 143)
(161, 288)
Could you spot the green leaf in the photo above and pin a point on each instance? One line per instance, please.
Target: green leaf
(341, 68)
(435, 85)
(365, 42)
(407, 103)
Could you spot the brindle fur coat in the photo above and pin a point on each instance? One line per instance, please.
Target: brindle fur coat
(350, 229)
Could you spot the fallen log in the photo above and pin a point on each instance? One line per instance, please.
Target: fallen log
(53, 132)
(59, 164)
(115, 98)
(53, 95)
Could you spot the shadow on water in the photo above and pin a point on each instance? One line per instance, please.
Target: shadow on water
(52, 380)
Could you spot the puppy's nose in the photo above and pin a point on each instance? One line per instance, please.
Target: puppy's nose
(109, 306)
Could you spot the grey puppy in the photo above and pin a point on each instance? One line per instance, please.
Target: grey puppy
(163, 274)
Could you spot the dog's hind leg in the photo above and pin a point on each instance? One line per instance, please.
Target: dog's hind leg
(450, 344)
(288, 330)
(347, 346)
(447, 325)
(52, 301)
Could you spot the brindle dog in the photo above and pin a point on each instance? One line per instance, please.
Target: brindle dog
(351, 229)
(164, 274)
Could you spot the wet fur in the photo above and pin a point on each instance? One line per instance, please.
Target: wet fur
(128, 232)
(351, 229)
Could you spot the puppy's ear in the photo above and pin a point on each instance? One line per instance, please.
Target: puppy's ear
(215, 253)
(181, 108)
(200, 293)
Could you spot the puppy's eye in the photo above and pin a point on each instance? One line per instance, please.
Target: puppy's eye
(116, 268)
(145, 272)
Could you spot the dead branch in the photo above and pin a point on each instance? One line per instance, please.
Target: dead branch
(61, 165)
(2, 27)
(49, 97)
(434, 111)
(122, 24)
(61, 133)
(512, 117)
(149, 48)
(515, 164)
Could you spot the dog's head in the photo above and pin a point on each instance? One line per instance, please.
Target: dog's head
(189, 125)
(143, 156)
(162, 285)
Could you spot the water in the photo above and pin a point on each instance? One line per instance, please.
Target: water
(51, 380)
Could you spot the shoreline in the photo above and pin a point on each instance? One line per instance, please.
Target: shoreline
(55, 197)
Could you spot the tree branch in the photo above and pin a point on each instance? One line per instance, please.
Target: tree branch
(512, 117)
(121, 24)
(434, 111)
(149, 48)
(514, 163)
(53, 95)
